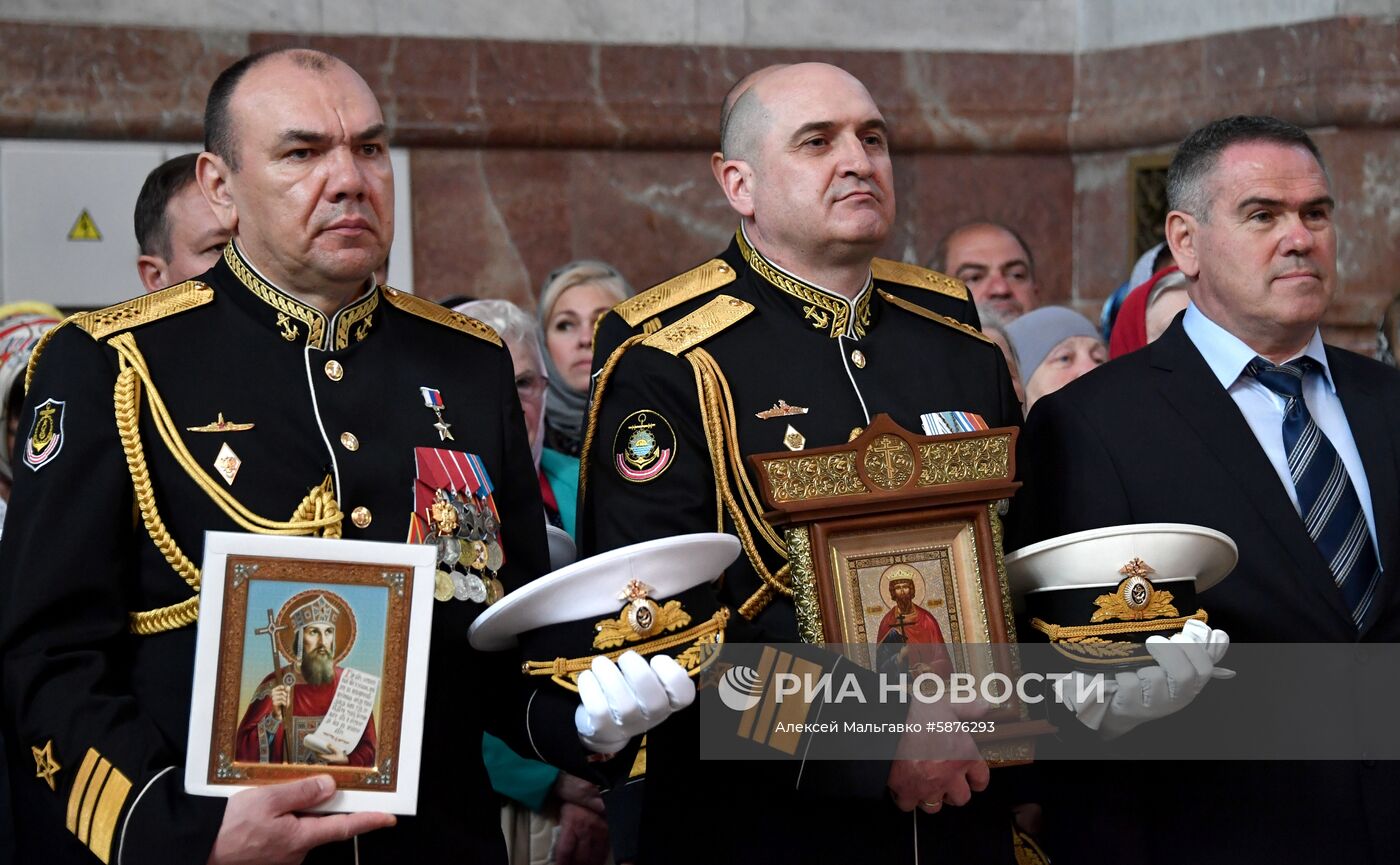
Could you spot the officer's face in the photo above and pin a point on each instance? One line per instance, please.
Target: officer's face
(1265, 262)
(313, 194)
(822, 179)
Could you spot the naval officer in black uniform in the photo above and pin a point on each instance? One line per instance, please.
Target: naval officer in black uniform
(793, 338)
(280, 391)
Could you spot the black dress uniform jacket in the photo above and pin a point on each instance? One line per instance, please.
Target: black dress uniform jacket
(688, 394)
(1153, 437)
(92, 532)
(663, 304)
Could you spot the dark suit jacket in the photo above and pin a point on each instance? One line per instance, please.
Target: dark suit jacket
(1153, 437)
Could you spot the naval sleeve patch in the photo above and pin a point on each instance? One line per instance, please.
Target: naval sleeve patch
(45, 434)
(643, 446)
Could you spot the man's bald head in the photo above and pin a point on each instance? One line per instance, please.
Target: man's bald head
(740, 88)
(747, 114)
(808, 168)
(747, 121)
(218, 122)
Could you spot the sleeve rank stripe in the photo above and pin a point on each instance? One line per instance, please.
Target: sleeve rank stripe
(94, 789)
(933, 316)
(95, 802)
(144, 309)
(414, 305)
(109, 808)
(917, 277)
(75, 795)
(707, 277)
(683, 335)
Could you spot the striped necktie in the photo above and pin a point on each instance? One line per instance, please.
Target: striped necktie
(1327, 500)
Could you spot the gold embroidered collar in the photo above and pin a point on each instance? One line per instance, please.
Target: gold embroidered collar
(826, 310)
(300, 322)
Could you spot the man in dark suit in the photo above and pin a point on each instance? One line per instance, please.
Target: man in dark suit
(1240, 419)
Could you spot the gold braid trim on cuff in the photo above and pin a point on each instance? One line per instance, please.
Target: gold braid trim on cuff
(318, 511)
(565, 671)
(1079, 632)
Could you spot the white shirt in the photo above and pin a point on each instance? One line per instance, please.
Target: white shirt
(1227, 356)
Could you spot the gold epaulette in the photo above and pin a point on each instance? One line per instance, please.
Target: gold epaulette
(414, 305)
(918, 277)
(682, 335)
(145, 309)
(960, 326)
(128, 314)
(707, 277)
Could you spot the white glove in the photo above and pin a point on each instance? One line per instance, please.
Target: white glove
(621, 700)
(1185, 662)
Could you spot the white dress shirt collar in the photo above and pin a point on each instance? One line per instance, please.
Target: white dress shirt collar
(1227, 355)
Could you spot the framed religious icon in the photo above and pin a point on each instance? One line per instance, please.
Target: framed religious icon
(895, 548)
(311, 657)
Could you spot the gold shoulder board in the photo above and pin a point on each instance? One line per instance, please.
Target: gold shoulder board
(683, 335)
(919, 277)
(414, 305)
(145, 309)
(707, 277)
(964, 327)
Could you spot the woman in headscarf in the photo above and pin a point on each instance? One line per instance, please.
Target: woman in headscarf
(1054, 345)
(1148, 310)
(572, 300)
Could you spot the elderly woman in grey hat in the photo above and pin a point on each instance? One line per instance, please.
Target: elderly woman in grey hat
(1054, 345)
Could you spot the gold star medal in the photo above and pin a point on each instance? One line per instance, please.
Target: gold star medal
(433, 400)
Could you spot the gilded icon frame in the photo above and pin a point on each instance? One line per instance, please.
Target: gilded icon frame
(887, 497)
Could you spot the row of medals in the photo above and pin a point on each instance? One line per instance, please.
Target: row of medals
(469, 554)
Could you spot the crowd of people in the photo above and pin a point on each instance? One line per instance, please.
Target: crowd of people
(621, 417)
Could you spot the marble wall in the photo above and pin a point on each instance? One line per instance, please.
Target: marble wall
(1003, 26)
(920, 25)
(527, 154)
